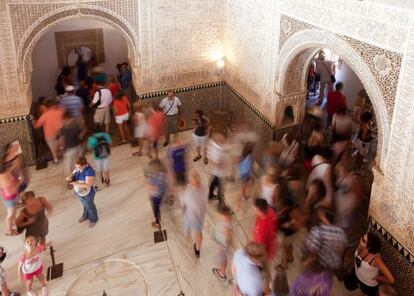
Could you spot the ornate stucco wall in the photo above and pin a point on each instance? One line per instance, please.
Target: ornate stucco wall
(267, 45)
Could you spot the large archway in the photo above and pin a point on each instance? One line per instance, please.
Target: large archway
(42, 25)
(294, 60)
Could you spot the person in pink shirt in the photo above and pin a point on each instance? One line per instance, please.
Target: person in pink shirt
(155, 129)
(265, 228)
(51, 121)
(30, 266)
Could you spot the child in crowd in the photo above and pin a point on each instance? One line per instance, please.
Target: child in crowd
(100, 143)
(194, 204)
(31, 266)
(223, 237)
(265, 227)
(140, 127)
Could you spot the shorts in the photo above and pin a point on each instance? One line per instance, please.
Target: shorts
(30, 276)
(102, 164)
(200, 141)
(119, 119)
(195, 226)
(11, 203)
(102, 115)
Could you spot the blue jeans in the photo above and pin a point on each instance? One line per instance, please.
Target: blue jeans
(156, 203)
(89, 208)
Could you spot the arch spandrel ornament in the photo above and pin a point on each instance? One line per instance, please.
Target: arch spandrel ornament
(294, 58)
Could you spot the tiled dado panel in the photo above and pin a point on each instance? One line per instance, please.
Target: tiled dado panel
(398, 260)
(242, 111)
(17, 128)
(207, 98)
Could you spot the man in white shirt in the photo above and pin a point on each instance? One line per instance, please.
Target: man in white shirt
(102, 102)
(171, 108)
(248, 270)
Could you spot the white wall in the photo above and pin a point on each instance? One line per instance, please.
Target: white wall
(45, 63)
(352, 84)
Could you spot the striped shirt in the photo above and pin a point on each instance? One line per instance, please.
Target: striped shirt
(328, 242)
(72, 104)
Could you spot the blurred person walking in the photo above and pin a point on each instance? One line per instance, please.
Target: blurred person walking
(265, 228)
(156, 177)
(250, 271)
(194, 204)
(51, 121)
(100, 144)
(224, 238)
(245, 173)
(200, 135)
(140, 127)
(69, 141)
(216, 156)
(155, 129)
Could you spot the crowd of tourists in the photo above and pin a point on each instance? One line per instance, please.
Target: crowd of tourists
(310, 185)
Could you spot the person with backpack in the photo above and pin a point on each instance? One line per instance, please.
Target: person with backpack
(102, 100)
(100, 143)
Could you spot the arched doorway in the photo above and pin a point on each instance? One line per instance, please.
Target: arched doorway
(43, 24)
(295, 57)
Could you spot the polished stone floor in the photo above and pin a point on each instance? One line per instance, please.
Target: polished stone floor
(119, 255)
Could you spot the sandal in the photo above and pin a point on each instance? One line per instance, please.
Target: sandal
(136, 154)
(149, 155)
(197, 158)
(217, 273)
(205, 160)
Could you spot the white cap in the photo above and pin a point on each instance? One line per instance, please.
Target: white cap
(69, 88)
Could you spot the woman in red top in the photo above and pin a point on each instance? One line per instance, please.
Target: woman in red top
(155, 128)
(121, 110)
(265, 228)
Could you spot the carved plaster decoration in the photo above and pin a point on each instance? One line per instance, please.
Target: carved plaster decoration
(384, 64)
(297, 102)
(68, 40)
(299, 45)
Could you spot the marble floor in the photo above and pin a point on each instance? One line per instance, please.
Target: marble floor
(119, 255)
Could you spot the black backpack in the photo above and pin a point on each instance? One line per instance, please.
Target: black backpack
(103, 149)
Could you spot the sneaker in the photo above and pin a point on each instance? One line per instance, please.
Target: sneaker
(82, 219)
(44, 291)
(92, 224)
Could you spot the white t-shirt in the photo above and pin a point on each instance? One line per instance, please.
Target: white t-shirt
(216, 154)
(194, 201)
(248, 277)
(106, 97)
(170, 107)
